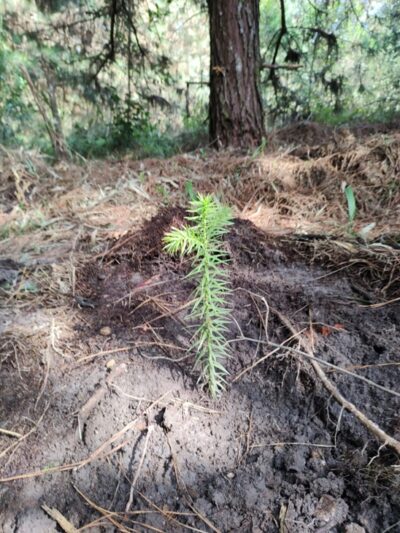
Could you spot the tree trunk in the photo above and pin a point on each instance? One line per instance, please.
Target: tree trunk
(236, 113)
(54, 128)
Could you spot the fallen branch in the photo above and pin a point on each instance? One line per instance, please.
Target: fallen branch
(346, 404)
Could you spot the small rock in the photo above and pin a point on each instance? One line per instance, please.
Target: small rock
(230, 475)
(105, 331)
(331, 510)
(326, 508)
(110, 364)
(354, 528)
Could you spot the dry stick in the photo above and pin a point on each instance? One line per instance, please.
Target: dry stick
(164, 357)
(99, 354)
(377, 365)
(184, 403)
(11, 433)
(100, 521)
(108, 515)
(293, 444)
(340, 369)
(23, 437)
(304, 354)
(170, 515)
(96, 398)
(135, 479)
(349, 406)
(147, 526)
(391, 527)
(38, 473)
(139, 344)
(64, 524)
(120, 433)
(170, 313)
(262, 359)
(45, 379)
(381, 304)
(99, 453)
(104, 512)
(141, 287)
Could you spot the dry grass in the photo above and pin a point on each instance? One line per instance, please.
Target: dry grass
(54, 217)
(293, 187)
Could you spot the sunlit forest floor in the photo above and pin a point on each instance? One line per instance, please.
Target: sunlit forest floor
(101, 417)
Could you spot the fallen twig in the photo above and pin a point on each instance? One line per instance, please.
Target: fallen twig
(264, 357)
(64, 524)
(23, 437)
(135, 479)
(312, 444)
(182, 402)
(87, 358)
(11, 433)
(107, 514)
(100, 452)
(346, 404)
(96, 397)
(308, 356)
(339, 369)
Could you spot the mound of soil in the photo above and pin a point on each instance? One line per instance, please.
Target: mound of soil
(128, 441)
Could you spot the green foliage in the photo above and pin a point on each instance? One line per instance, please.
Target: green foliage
(210, 221)
(347, 55)
(127, 75)
(13, 108)
(104, 140)
(195, 131)
(351, 203)
(113, 96)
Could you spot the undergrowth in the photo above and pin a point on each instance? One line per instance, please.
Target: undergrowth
(209, 222)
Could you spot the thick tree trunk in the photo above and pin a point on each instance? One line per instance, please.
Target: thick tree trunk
(236, 113)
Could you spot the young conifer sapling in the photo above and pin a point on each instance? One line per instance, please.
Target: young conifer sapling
(208, 222)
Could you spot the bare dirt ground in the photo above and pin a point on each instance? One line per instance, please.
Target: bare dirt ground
(103, 426)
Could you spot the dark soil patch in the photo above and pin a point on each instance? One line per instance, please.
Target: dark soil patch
(274, 454)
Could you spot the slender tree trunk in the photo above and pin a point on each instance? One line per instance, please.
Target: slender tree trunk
(54, 127)
(236, 113)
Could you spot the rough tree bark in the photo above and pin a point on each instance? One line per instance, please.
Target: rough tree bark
(236, 113)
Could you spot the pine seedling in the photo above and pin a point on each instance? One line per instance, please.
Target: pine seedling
(209, 222)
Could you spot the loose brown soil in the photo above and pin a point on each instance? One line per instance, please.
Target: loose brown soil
(109, 424)
(275, 453)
